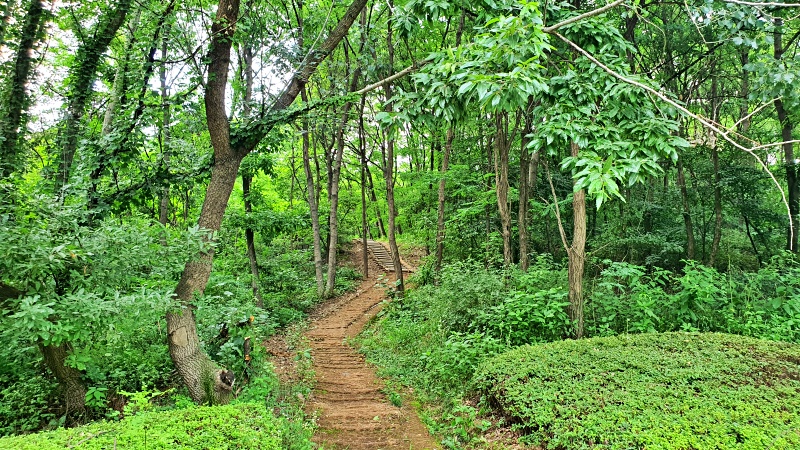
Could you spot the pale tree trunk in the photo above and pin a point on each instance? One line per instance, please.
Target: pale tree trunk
(501, 184)
(687, 213)
(374, 198)
(333, 220)
(524, 193)
(16, 103)
(389, 169)
(247, 180)
(712, 259)
(120, 85)
(166, 118)
(787, 128)
(312, 205)
(440, 230)
(69, 380)
(362, 146)
(83, 75)
(577, 255)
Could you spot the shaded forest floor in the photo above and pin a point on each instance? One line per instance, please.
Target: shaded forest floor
(352, 407)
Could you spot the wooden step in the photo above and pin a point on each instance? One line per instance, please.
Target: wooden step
(382, 256)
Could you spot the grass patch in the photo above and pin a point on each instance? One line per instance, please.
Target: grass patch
(671, 391)
(220, 427)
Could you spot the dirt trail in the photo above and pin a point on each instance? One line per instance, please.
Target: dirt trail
(353, 412)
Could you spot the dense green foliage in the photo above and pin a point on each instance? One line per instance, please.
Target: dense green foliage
(671, 391)
(246, 425)
(436, 337)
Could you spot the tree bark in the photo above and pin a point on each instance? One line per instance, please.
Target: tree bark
(389, 167)
(69, 379)
(440, 230)
(201, 375)
(362, 146)
(312, 206)
(577, 256)
(333, 221)
(712, 259)
(501, 185)
(687, 213)
(524, 194)
(16, 103)
(83, 75)
(787, 128)
(166, 118)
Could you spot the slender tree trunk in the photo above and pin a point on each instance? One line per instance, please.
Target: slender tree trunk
(501, 182)
(524, 194)
(119, 88)
(374, 199)
(362, 146)
(166, 118)
(312, 206)
(787, 128)
(83, 75)
(440, 230)
(15, 105)
(577, 256)
(333, 221)
(69, 379)
(712, 259)
(389, 168)
(687, 213)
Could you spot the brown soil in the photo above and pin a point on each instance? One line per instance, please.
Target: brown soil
(353, 412)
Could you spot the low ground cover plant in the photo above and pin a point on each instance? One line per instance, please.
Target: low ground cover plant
(665, 391)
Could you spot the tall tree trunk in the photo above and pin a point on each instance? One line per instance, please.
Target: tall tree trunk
(312, 205)
(524, 193)
(333, 221)
(69, 379)
(440, 230)
(247, 179)
(501, 182)
(82, 76)
(14, 106)
(166, 118)
(389, 166)
(577, 255)
(787, 127)
(362, 146)
(206, 382)
(687, 213)
(119, 88)
(712, 259)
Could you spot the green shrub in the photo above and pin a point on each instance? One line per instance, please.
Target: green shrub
(222, 427)
(673, 391)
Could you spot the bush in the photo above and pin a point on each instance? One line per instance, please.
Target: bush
(221, 427)
(655, 391)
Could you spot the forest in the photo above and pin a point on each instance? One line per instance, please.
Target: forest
(553, 225)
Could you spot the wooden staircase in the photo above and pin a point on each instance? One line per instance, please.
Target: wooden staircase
(383, 257)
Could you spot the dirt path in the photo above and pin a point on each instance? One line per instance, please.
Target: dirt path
(353, 412)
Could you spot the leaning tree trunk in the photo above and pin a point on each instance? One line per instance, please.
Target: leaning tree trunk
(69, 380)
(16, 103)
(204, 380)
(577, 256)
